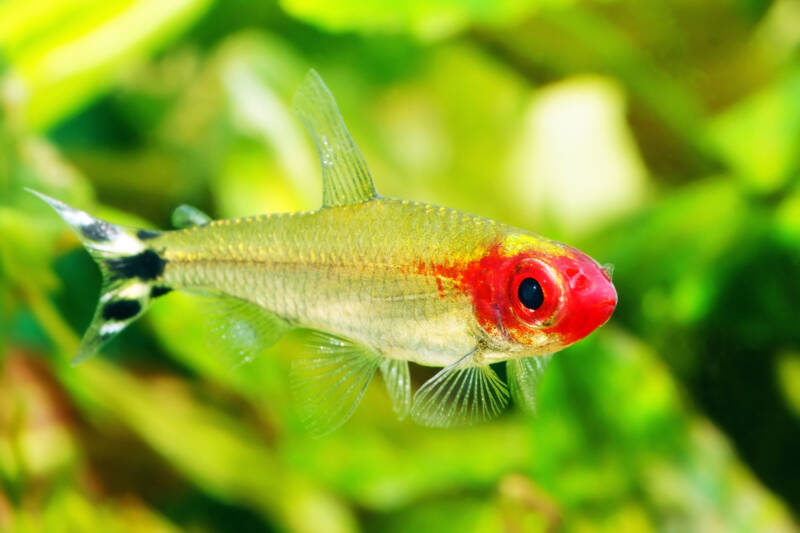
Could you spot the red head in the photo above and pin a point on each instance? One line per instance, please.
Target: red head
(536, 296)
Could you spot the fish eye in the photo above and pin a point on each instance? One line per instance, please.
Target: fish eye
(534, 293)
(530, 294)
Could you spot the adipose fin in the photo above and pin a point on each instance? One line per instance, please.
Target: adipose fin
(185, 216)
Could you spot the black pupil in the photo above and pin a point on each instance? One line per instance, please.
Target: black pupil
(530, 294)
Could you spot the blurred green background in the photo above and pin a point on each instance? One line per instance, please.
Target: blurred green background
(661, 136)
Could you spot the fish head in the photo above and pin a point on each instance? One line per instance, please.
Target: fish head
(534, 296)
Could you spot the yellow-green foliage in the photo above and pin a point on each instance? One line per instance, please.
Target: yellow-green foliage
(659, 136)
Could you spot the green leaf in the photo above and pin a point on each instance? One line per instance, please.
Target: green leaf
(61, 59)
(424, 19)
(236, 464)
(758, 137)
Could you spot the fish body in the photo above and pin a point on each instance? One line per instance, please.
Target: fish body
(400, 276)
(364, 271)
(384, 281)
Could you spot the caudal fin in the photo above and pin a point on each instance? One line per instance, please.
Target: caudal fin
(131, 270)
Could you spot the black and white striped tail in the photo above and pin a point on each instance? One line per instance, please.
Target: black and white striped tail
(131, 270)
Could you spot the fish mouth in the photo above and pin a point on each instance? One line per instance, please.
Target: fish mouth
(597, 308)
(591, 299)
(609, 302)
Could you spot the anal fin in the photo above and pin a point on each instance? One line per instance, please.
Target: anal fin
(462, 394)
(329, 380)
(239, 330)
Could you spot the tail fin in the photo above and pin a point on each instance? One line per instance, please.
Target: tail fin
(131, 272)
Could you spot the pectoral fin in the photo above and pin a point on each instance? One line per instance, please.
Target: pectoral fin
(329, 380)
(461, 394)
(524, 376)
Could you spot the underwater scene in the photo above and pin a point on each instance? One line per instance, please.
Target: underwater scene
(245, 310)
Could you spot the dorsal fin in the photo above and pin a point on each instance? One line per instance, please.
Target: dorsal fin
(345, 176)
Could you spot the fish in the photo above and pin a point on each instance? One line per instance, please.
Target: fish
(379, 283)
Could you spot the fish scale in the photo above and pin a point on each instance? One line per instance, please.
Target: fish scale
(365, 281)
